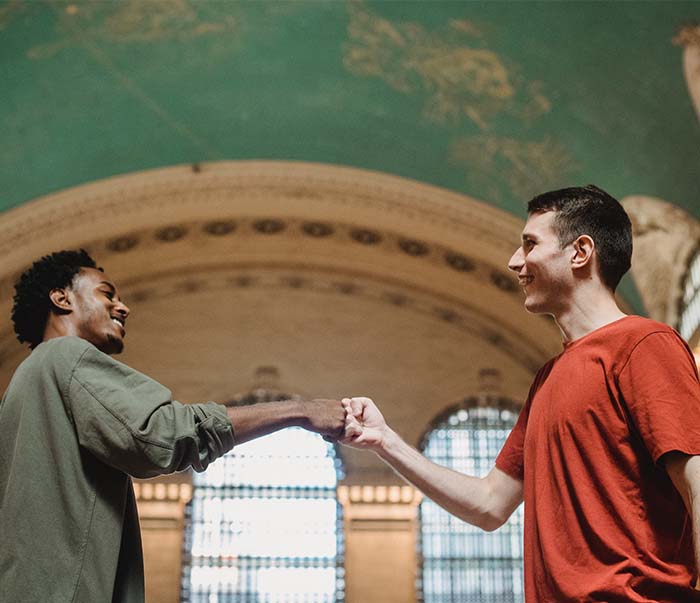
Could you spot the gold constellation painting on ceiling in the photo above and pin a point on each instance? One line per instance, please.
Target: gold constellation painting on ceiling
(452, 66)
(132, 21)
(466, 83)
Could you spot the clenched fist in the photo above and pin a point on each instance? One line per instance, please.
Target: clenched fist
(365, 426)
(326, 417)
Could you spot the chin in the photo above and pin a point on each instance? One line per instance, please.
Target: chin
(534, 308)
(112, 346)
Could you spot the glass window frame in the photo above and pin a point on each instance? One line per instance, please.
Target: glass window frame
(240, 492)
(461, 571)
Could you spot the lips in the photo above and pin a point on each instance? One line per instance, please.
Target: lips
(120, 323)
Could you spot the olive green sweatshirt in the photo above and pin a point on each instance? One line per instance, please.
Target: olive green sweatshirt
(75, 424)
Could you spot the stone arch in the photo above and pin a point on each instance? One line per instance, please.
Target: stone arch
(347, 280)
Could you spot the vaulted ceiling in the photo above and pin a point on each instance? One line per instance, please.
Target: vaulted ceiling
(496, 100)
(335, 280)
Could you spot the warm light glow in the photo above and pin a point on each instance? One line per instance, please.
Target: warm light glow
(265, 524)
(292, 457)
(282, 583)
(259, 527)
(218, 577)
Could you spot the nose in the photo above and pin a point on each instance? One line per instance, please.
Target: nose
(517, 260)
(122, 309)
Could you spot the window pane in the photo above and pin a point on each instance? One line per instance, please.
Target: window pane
(461, 563)
(264, 524)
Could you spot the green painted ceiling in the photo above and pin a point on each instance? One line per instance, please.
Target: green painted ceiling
(497, 100)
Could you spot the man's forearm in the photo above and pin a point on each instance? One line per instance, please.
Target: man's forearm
(695, 515)
(326, 417)
(250, 422)
(684, 471)
(469, 498)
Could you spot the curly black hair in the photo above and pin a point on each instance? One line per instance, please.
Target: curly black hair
(31, 301)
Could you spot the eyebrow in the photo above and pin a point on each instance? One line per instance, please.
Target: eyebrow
(110, 285)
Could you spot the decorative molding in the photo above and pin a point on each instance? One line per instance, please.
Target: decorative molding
(297, 228)
(162, 506)
(180, 493)
(380, 508)
(406, 495)
(335, 281)
(402, 295)
(118, 204)
(288, 225)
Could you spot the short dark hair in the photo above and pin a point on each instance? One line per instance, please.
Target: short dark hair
(589, 210)
(31, 301)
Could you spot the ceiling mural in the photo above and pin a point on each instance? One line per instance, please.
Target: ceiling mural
(451, 67)
(495, 100)
(133, 21)
(461, 79)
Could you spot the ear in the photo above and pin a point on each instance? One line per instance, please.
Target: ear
(61, 300)
(583, 252)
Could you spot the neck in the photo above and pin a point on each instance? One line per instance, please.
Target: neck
(589, 309)
(59, 326)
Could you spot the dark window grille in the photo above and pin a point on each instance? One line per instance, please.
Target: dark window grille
(264, 524)
(459, 562)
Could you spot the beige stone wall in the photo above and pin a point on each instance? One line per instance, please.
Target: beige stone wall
(161, 511)
(380, 543)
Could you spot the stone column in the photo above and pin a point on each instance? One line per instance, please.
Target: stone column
(162, 512)
(380, 543)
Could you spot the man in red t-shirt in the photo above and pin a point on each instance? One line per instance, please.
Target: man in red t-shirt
(604, 451)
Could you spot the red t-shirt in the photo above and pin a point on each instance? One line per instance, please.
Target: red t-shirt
(603, 521)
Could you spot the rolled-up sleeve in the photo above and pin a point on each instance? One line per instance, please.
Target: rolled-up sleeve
(130, 422)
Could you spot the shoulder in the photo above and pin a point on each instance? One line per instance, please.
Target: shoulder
(73, 355)
(633, 331)
(644, 337)
(61, 351)
(52, 360)
(639, 329)
(644, 326)
(98, 371)
(65, 345)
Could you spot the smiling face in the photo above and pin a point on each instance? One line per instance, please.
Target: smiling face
(544, 269)
(97, 313)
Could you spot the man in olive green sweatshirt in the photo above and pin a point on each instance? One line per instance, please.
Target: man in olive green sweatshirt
(76, 425)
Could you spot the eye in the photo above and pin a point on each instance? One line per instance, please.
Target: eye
(109, 294)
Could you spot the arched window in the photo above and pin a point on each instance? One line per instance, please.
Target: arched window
(459, 562)
(264, 524)
(689, 322)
